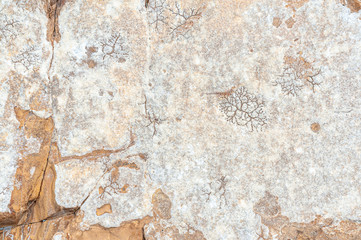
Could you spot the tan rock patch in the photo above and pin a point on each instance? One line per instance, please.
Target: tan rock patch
(277, 22)
(353, 5)
(320, 228)
(106, 208)
(290, 22)
(161, 204)
(315, 127)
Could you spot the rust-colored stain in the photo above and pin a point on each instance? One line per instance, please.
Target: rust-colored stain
(106, 208)
(122, 163)
(99, 153)
(124, 189)
(101, 190)
(162, 212)
(89, 52)
(294, 4)
(91, 63)
(315, 127)
(277, 22)
(127, 230)
(290, 22)
(353, 5)
(298, 61)
(297, 74)
(224, 94)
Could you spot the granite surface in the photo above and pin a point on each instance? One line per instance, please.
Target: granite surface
(162, 119)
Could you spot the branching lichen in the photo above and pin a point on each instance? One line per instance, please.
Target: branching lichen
(156, 11)
(218, 190)
(178, 21)
(114, 47)
(296, 75)
(153, 119)
(7, 28)
(244, 109)
(184, 20)
(28, 57)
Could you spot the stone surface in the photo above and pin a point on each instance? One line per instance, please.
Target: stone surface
(162, 119)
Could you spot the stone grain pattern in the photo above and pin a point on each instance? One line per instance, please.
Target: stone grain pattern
(163, 119)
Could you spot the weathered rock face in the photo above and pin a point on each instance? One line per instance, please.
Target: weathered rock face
(161, 119)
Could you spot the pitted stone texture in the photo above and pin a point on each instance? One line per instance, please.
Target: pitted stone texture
(148, 98)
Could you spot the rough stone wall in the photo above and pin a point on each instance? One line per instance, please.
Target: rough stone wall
(162, 119)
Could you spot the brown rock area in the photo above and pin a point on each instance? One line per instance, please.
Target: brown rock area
(33, 204)
(106, 208)
(161, 225)
(161, 205)
(27, 190)
(294, 4)
(277, 22)
(315, 127)
(280, 227)
(289, 22)
(353, 5)
(35, 213)
(52, 9)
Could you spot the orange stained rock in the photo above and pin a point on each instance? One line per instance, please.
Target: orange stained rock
(106, 208)
(294, 4)
(101, 190)
(124, 189)
(319, 229)
(102, 152)
(131, 230)
(353, 5)
(122, 163)
(315, 127)
(27, 187)
(66, 224)
(33, 201)
(277, 22)
(290, 22)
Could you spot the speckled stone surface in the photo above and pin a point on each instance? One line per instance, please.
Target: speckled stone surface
(161, 119)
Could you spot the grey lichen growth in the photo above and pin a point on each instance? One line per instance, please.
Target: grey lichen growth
(156, 11)
(244, 109)
(152, 118)
(114, 47)
(184, 20)
(177, 21)
(28, 57)
(7, 28)
(218, 189)
(296, 75)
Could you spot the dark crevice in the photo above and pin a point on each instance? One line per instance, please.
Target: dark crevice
(55, 24)
(143, 234)
(42, 179)
(62, 213)
(53, 8)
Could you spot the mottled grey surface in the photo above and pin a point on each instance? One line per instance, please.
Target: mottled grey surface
(172, 75)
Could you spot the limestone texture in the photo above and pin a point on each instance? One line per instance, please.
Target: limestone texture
(185, 120)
